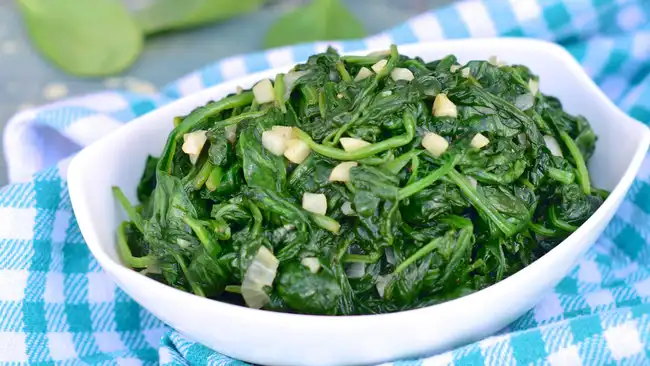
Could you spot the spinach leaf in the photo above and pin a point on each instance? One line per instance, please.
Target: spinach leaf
(318, 20)
(83, 37)
(307, 292)
(163, 15)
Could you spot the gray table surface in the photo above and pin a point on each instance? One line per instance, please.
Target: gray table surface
(27, 80)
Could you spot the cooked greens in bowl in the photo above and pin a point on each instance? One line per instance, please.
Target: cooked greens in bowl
(362, 185)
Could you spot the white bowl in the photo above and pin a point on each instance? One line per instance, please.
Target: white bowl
(270, 338)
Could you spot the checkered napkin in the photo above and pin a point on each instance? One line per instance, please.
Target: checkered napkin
(57, 305)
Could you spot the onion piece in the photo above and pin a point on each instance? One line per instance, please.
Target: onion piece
(382, 282)
(297, 151)
(435, 144)
(259, 274)
(314, 202)
(553, 145)
(377, 67)
(533, 86)
(400, 73)
(263, 92)
(312, 263)
(443, 107)
(355, 270)
(454, 68)
(390, 256)
(290, 80)
(352, 144)
(274, 142)
(479, 141)
(347, 209)
(341, 172)
(524, 101)
(364, 73)
(466, 72)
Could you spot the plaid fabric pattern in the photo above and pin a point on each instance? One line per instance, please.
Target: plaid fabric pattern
(57, 306)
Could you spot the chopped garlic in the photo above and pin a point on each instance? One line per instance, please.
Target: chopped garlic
(363, 74)
(315, 203)
(379, 66)
(435, 144)
(352, 144)
(479, 141)
(263, 92)
(341, 172)
(312, 263)
(297, 151)
(400, 73)
(231, 133)
(274, 142)
(284, 131)
(193, 144)
(443, 107)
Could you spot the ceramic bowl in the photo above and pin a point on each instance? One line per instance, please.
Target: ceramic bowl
(270, 338)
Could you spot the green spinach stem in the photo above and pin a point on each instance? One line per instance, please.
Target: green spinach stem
(202, 175)
(561, 176)
(362, 258)
(583, 173)
(203, 234)
(131, 212)
(125, 252)
(560, 223)
(340, 66)
(367, 151)
(421, 253)
(395, 166)
(214, 180)
(423, 183)
(278, 88)
(238, 118)
(481, 203)
(195, 287)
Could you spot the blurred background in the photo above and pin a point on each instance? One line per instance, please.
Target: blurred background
(49, 48)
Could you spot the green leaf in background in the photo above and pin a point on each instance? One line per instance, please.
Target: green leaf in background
(83, 37)
(319, 20)
(163, 15)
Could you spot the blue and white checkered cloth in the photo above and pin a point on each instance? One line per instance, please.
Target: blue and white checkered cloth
(57, 306)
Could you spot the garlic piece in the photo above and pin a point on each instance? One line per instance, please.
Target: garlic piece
(435, 144)
(443, 107)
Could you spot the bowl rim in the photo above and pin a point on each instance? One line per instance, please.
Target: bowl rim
(81, 208)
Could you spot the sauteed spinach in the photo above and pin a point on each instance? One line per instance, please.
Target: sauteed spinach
(361, 185)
